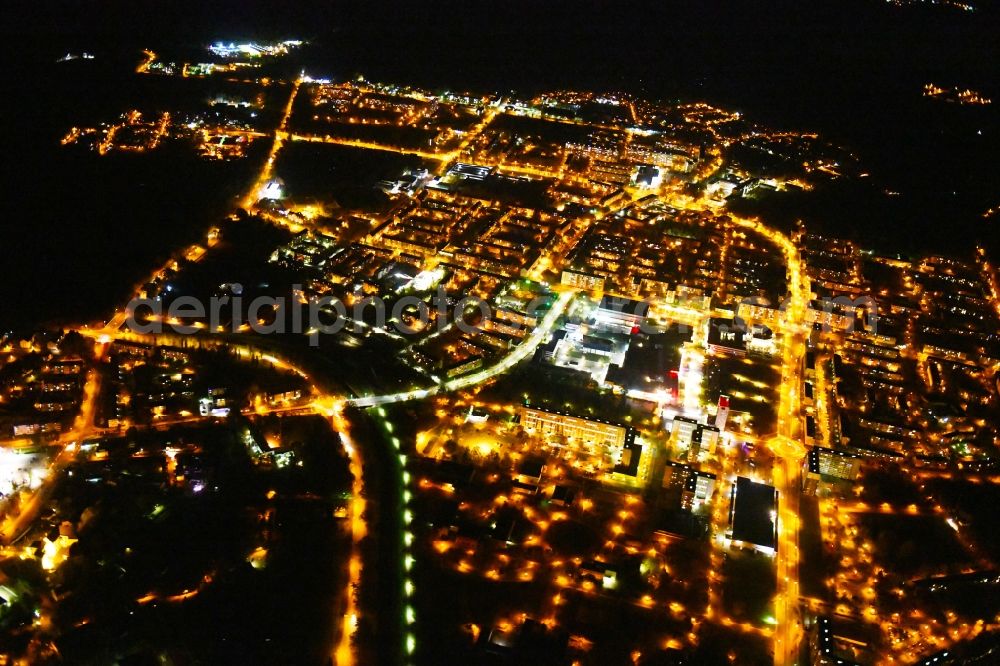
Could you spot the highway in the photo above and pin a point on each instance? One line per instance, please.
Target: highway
(444, 158)
(370, 145)
(143, 66)
(280, 134)
(788, 449)
(521, 352)
(343, 653)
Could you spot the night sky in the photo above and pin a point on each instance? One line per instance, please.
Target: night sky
(850, 70)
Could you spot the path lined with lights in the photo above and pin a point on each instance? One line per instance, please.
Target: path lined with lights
(332, 406)
(280, 134)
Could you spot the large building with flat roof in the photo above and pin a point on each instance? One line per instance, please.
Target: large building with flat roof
(838, 644)
(696, 486)
(562, 424)
(825, 465)
(699, 439)
(588, 432)
(582, 280)
(753, 514)
(620, 314)
(831, 462)
(726, 337)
